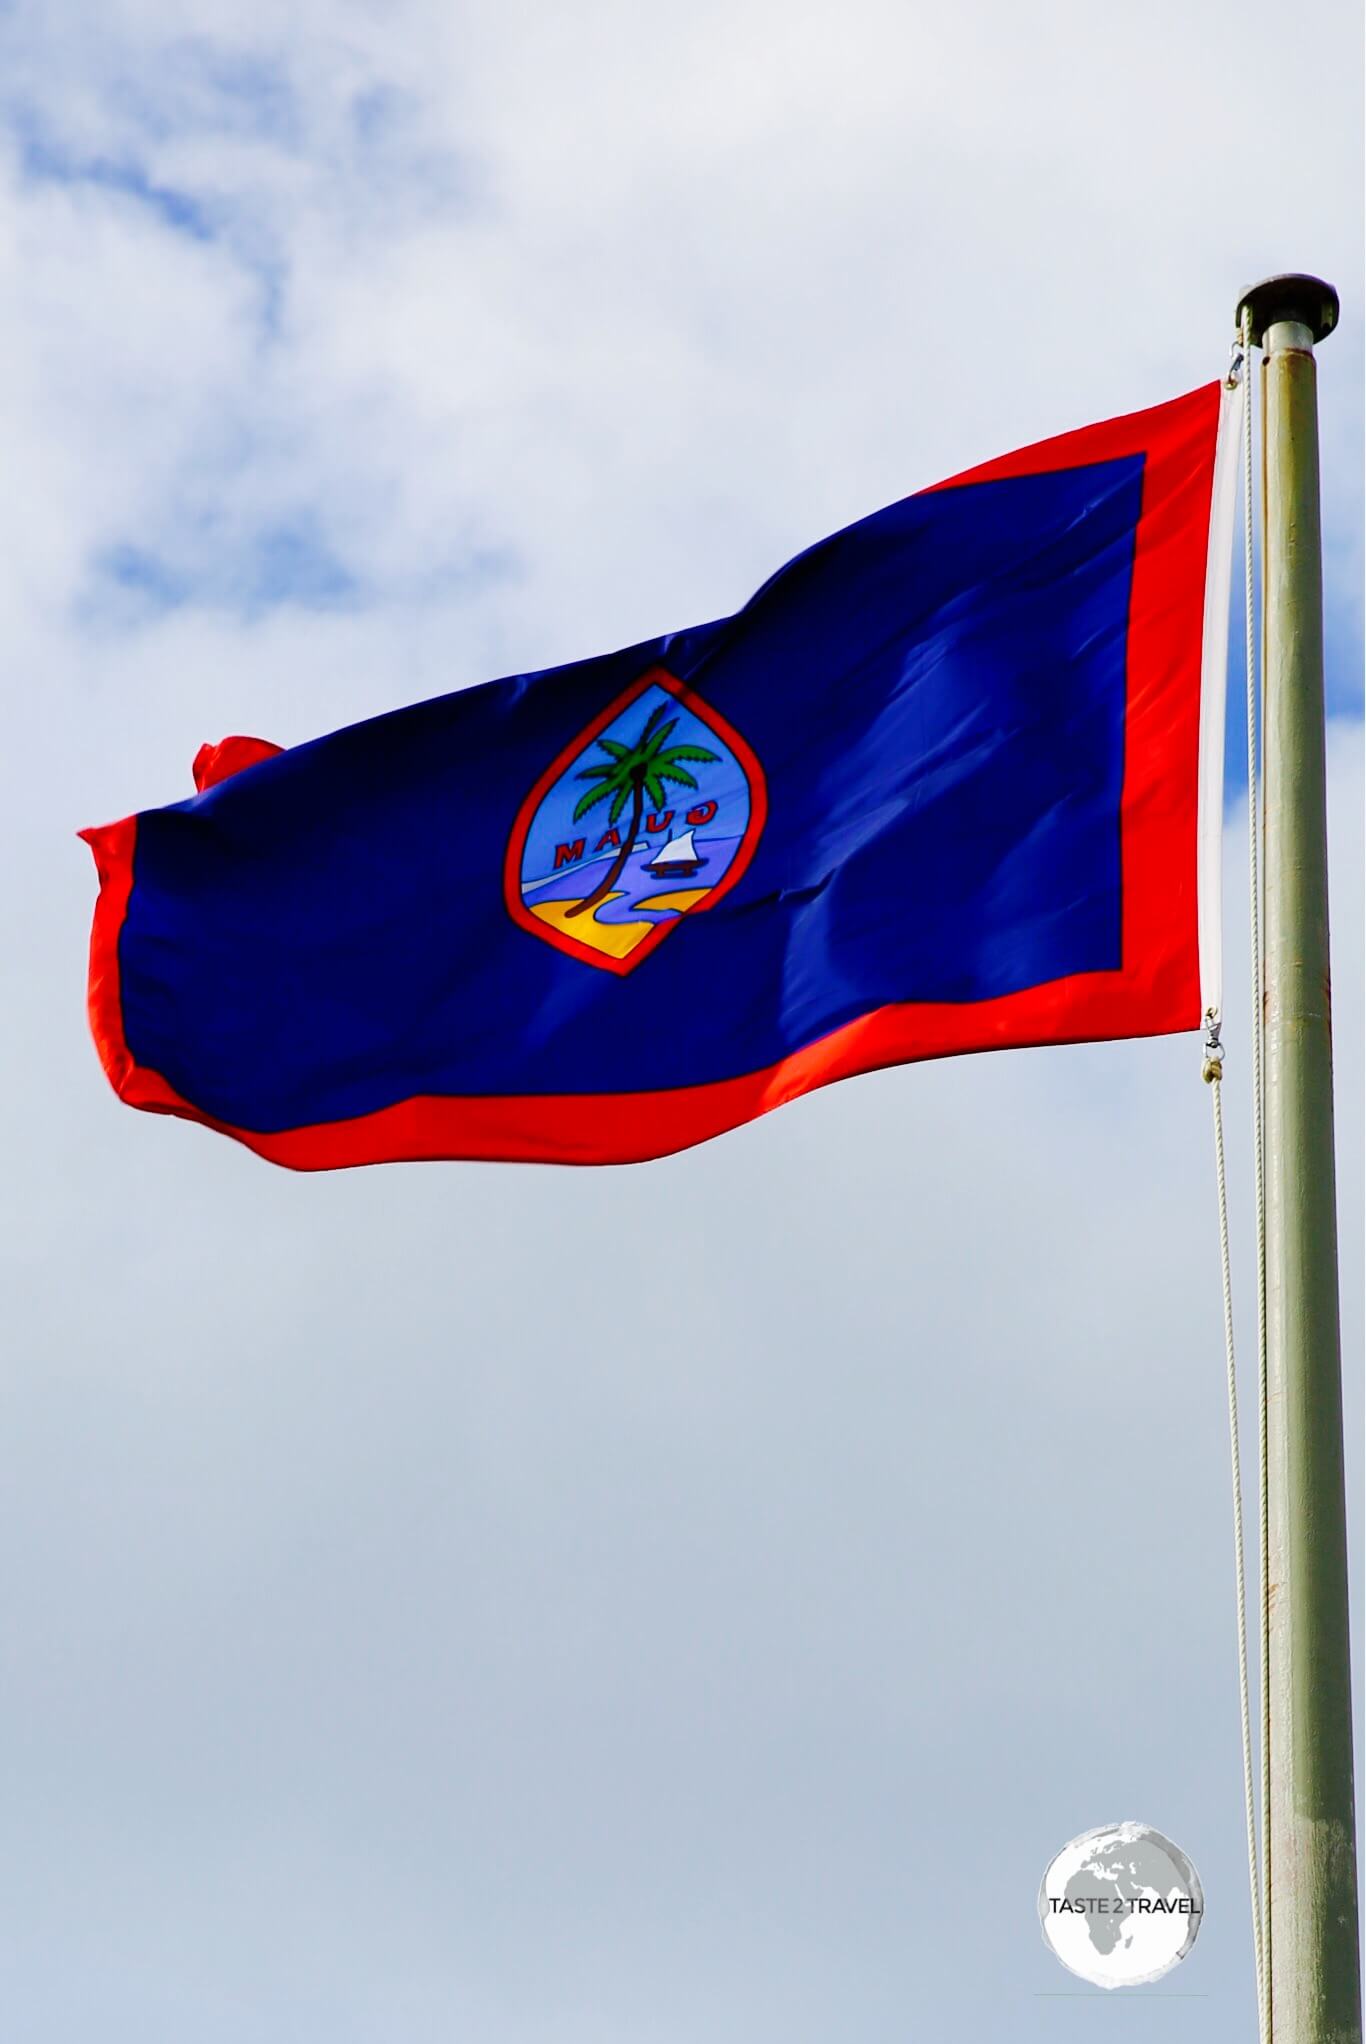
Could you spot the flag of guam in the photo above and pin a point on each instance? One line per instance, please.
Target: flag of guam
(935, 788)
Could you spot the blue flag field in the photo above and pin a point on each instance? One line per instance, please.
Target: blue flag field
(935, 788)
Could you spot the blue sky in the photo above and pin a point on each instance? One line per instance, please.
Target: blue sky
(693, 1600)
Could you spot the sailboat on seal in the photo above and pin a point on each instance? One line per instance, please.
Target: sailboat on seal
(679, 859)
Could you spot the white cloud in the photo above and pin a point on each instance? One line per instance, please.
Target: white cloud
(416, 1626)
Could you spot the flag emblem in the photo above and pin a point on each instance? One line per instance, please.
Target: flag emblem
(647, 816)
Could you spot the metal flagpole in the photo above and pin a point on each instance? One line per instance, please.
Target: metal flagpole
(1314, 1953)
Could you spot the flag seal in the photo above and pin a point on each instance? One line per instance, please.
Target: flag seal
(649, 815)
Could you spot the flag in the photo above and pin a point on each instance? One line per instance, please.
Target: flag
(935, 788)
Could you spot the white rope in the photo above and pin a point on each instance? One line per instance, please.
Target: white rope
(1212, 1072)
(1254, 863)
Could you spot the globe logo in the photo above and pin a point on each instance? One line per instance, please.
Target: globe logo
(1121, 1905)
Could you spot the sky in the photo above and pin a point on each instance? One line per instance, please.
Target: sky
(439, 1602)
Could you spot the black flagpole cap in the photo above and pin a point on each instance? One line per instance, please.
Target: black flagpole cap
(1306, 299)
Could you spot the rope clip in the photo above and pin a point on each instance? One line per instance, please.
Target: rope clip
(1213, 1066)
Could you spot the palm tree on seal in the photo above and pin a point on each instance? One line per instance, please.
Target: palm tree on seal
(630, 774)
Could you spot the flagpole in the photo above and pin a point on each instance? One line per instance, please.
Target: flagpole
(1314, 1953)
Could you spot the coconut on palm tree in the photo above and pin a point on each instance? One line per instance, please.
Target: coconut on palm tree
(630, 773)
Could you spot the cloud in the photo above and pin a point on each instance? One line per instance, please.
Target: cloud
(420, 1623)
